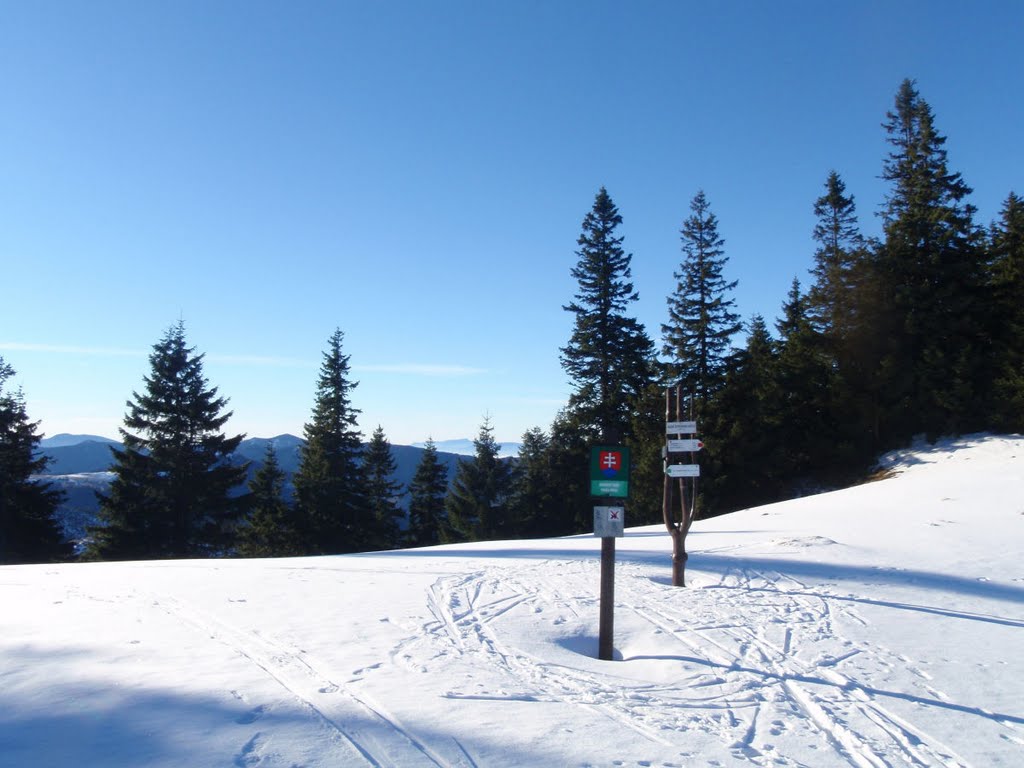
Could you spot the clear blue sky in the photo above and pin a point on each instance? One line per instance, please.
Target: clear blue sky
(416, 173)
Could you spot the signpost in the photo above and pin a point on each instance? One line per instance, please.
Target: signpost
(610, 521)
(680, 427)
(609, 479)
(684, 446)
(609, 471)
(676, 475)
(683, 470)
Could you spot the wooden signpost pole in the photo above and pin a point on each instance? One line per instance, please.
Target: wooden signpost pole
(674, 492)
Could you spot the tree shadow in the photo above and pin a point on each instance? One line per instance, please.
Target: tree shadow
(776, 677)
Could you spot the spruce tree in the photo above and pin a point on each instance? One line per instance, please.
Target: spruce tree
(534, 486)
(29, 531)
(807, 432)
(745, 460)
(477, 503)
(841, 249)
(701, 321)
(330, 487)
(569, 451)
(173, 493)
(382, 491)
(1007, 256)
(931, 270)
(270, 529)
(608, 358)
(427, 491)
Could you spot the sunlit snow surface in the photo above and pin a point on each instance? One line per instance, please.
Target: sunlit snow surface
(877, 626)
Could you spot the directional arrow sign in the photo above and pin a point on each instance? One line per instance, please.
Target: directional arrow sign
(683, 470)
(681, 428)
(682, 446)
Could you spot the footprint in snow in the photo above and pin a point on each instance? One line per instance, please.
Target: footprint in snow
(251, 716)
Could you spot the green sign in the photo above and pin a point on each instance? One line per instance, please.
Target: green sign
(609, 471)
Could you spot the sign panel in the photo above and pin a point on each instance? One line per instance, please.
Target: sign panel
(609, 471)
(683, 446)
(609, 522)
(681, 428)
(683, 470)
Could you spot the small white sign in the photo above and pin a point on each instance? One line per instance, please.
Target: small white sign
(681, 428)
(610, 522)
(683, 470)
(683, 446)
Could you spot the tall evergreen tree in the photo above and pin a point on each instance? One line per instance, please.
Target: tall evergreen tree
(744, 459)
(832, 302)
(609, 354)
(808, 435)
(427, 491)
(569, 451)
(646, 441)
(1008, 294)
(29, 531)
(173, 493)
(270, 529)
(330, 486)
(477, 503)
(382, 491)
(701, 321)
(534, 488)
(932, 271)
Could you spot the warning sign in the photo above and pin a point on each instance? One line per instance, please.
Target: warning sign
(609, 522)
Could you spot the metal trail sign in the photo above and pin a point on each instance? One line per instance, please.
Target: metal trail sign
(683, 470)
(684, 446)
(681, 428)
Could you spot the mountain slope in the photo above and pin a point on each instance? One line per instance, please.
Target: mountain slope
(876, 626)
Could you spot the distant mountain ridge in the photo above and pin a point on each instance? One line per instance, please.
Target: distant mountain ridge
(63, 440)
(79, 465)
(465, 447)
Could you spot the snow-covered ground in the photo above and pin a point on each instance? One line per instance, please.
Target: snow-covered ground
(877, 626)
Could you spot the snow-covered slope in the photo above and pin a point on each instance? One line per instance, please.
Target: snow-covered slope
(878, 626)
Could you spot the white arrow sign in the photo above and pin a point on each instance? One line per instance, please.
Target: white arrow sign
(683, 470)
(682, 446)
(681, 428)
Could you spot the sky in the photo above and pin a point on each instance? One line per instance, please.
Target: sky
(416, 175)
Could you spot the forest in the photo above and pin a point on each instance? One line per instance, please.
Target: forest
(919, 331)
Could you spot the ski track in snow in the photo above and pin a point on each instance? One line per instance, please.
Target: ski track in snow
(766, 676)
(375, 737)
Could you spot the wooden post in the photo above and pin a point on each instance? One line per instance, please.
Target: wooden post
(606, 633)
(673, 493)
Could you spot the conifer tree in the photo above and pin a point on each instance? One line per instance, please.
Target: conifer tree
(609, 354)
(1008, 294)
(29, 531)
(270, 530)
(173, 493)
(382, 491)
(427, 491)
(330, 487)
(701, 321)
(807, 434)
(569, 451)
(534, 488)
(646, 442)
(841, 249)
(743, 462)
(477, 502)
(931, 270)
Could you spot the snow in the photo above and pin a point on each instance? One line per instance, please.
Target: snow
(877, 626)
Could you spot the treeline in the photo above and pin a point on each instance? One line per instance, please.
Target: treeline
(918, 331)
